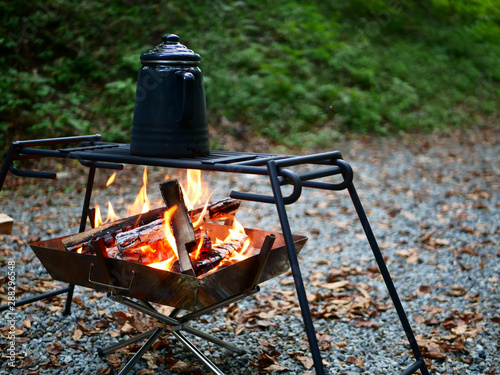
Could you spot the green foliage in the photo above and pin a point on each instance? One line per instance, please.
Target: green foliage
(301, 73)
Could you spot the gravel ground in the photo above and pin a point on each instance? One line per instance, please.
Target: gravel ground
(432, 201)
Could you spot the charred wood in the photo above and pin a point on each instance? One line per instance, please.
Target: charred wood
(210, 259)
(182, 227)
(220, 210)
(108, 231)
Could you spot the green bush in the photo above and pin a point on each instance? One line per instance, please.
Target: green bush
(300, 73)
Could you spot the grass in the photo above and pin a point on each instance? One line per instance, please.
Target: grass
(299, 73)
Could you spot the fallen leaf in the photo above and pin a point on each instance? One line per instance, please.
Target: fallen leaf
(424, 289)
(276, 368)
(54, 348)
(77, 334)
(456, 291)
(339, 285)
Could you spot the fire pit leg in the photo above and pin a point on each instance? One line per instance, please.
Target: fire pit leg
(174, 325)
(113, 348)
(214, 340)
(142, 351)
(202, 357)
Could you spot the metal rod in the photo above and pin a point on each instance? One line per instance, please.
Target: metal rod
(39, 297)
(419, 365)
(83, 224)
(294, 264)
(217, 305)
(309, 159)
(86, 199)
(6, 164)
(213, 339)
(386, 276)
(144, 309)
(262, 258)
(53, 141)
(142, 351)
(113, 348)
(196, 352)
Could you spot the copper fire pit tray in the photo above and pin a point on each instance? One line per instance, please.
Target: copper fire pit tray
(164, 287)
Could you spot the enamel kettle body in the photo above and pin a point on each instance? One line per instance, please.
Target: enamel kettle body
(170, 110)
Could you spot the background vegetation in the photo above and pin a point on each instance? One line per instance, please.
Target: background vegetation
(299, 72)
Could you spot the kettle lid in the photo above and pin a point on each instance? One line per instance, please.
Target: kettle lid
(170, 51)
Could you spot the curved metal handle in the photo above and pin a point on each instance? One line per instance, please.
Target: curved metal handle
(289, 176)
(35, 174)
(110, 285)
(187, 97)
(347, 173)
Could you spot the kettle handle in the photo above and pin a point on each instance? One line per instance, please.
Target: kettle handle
(187, 97)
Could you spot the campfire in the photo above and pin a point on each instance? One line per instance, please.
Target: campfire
(172, 238)
(188, 253)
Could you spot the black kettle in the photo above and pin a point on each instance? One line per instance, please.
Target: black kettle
(170, 110)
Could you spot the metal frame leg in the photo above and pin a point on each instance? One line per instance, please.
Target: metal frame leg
(69, 289)
(294, 264)
(420, 364)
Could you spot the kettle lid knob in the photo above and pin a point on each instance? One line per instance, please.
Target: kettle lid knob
(172, 38)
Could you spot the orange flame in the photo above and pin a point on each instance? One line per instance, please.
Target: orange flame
(163, 254)
(111, 179)
(141, 203)
(167, 228)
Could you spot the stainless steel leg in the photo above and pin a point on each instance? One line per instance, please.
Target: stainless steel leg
(142, 350)
(196, 352)
(213, 339)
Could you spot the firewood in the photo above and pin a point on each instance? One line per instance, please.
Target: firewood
(182, 227)
(6, 223)
(211, 259)
(108, 231)
(144, 235)
(220, 210)
(153, 232)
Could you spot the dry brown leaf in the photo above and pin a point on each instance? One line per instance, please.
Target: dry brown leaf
(127, 328)
(441, 242)
(54, 348)
(77, 334)
(424, 289)
(367, 324)
(306, 361)
(276, 368)
(361, 362)
(456, 291)
(351, 360)
(419, 318)
(339, 285)
(341, 344)
(113, 359)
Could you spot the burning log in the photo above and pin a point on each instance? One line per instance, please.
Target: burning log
(108, 231)
(182, 227)
(220, 210)
(141, 236)
(153, 232)
(212, 258)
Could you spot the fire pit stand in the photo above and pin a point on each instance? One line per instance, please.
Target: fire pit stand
(93, 153)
